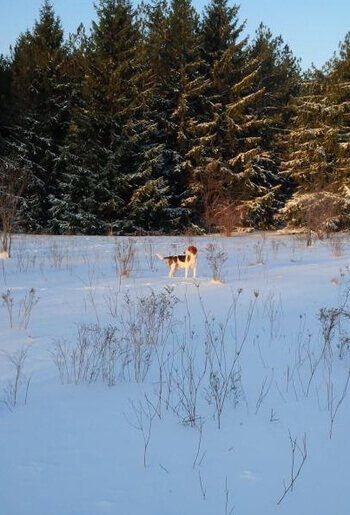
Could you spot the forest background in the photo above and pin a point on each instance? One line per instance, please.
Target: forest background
(161, 120)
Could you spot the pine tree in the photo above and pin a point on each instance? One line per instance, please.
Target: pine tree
(173, 91)
(184, 91)
(219, 36)
(339, 77)
(158, 121)
(5, 102)
(40, 102)
(235, 131)
(151, 206)
(319, 148)
(74, 207)
(99, 148)
(278, 75)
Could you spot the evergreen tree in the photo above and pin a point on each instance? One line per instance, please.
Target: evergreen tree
(310, 139)
(339, 77)
(110, 84)
(74, 207)
(40, 95)
(5, 102)
(220, 32)
(159, 121)
(235, 130)
(184, 91)
(319, 147)
(151, 207)
(278, 75)
(99, 148)
(172, 103)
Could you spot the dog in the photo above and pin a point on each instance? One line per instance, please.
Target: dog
(186, 261)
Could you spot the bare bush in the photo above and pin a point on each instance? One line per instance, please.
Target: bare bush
(124, 257)
(188, 378)
(125, 349)
(275, 248)
(25, 260)
(336, 336)
(8, 303)
(335, 403)
(150, 254)
(224, 371)
(25, 307)
(12, 185)
(91, 358)
(17, 388)
(56, 255)
(144, 414)
(259, 253)
(337, 246)
(112, 302)
(216, 259)
(296, 449)
(146, 324)
(264, 391)
(193, 374)
(334, 323)
(273, 312)
(228, 216)
(224, 375)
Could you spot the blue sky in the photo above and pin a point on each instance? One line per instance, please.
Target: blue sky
(313, 28)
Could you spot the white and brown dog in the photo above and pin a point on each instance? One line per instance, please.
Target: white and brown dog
(186, 261)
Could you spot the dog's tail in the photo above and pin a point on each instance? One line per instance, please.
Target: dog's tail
(160, 256)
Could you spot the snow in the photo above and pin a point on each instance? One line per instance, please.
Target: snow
(73, 449)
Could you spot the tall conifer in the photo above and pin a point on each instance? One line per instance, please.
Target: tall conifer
(40, 101)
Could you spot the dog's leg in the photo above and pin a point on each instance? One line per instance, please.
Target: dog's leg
(186, 272)
(194, 271)
(172, 270)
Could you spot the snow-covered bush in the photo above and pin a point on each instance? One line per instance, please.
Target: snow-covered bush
(321, 212)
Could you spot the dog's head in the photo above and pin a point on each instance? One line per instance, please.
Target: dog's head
(191, 250)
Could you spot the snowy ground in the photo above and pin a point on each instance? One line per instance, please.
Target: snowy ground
(134, 427)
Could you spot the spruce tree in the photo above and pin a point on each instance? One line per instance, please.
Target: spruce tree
(318, 155)
(235, 131)
(219, 36)
(184, 91)
(99, 148)
(339, 78)
(172, 107)
(5, 103)
(74, 207)
(151, 205)
(40, 95)
(278, 75)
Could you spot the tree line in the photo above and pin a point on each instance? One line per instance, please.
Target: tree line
(160, 120)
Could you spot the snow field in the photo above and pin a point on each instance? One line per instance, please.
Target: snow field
(171, 396)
